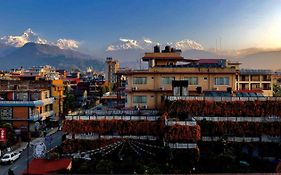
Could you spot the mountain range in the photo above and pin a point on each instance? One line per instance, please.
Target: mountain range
(29, 49)
(129, 52)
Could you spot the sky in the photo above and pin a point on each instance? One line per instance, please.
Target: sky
(238, 24)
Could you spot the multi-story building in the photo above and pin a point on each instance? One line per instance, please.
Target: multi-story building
(18, 106)
(55, 87)
(255, 80)
(111, 67)
(147, 88)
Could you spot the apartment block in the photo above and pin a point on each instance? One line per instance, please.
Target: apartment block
(18, 106)
(255, 80)
(147, 88)
(111, 68)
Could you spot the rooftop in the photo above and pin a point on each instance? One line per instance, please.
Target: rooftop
(169, 55)
(255, 71)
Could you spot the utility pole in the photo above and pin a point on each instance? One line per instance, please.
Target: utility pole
(28, 145)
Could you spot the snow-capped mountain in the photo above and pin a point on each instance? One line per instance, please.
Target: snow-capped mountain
(147, 44)
(125, 44)
(187, 45)
(29, 36)
(33, 54)
(19, 41)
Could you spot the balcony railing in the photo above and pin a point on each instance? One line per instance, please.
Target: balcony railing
(28, 103)
(181, 145)
(43, 116)
(174, 98)
(240, 119)
(243, 139)
(184, 123)
(112, 117)
(94, 136)
(109, 112)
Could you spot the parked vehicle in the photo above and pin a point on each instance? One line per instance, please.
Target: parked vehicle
(10, 157)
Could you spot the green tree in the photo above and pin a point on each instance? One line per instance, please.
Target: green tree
(69, 102)
(276, 90)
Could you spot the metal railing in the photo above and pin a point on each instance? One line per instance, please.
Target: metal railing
(112, 117)
(94, 136)
(184, 123)
(240, 119)
(29, 103)
(200, 98)
(181, 145)
(243, 139)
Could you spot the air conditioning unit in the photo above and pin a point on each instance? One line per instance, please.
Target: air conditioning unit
(135, 88)
(162, 88)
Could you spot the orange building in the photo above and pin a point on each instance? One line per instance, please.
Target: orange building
(147, 88)
(18, 106)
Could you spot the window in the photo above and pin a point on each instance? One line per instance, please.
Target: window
(139, 80)
(222, 81)
(191, 80)
(139, 99)
(167, 80)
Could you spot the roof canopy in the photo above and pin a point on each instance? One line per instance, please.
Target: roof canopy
(46, 166)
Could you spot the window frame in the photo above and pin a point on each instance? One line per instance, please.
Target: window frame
(140, 82)
(225, 82)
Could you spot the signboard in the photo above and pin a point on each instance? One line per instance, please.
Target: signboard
(2, 134)
(39, 150)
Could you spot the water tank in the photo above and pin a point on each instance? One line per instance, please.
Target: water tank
(156, 49)
(167, 49)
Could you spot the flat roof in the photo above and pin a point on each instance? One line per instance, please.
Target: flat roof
(165, 56)
(255, 71)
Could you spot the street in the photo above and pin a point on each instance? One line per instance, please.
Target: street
(20, 165)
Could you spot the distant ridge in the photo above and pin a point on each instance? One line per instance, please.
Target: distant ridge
(32, 54)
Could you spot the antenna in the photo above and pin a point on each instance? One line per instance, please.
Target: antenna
(216, 45)
(220, 43)
(140, 62)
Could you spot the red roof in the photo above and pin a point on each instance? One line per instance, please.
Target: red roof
(46, 166)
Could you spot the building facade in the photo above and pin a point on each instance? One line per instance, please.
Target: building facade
(111, 67)
(54, 87)
(147, 88)
(18, 106)
(255, 80)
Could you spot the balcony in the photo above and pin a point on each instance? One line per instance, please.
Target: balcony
(42, 116)
(28, 103)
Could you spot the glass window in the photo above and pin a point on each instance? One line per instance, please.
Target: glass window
(222, 81)
(139, 99)
(139, 80)
(191, 80)
(167, 80)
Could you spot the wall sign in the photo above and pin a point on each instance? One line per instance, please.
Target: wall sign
(3, 135)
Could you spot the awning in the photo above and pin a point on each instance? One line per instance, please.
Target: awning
(46, 166)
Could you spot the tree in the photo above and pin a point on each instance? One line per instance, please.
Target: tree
(276, 90)
(69, 102)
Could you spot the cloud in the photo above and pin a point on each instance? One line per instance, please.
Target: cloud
(67, 43)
